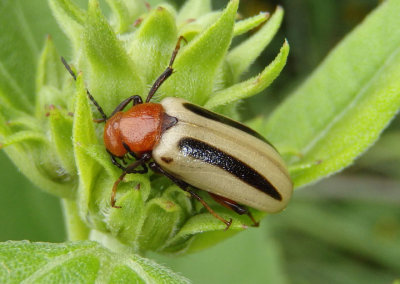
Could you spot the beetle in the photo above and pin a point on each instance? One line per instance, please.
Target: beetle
(195, 148)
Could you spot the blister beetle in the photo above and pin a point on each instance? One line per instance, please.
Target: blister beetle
(196, 148)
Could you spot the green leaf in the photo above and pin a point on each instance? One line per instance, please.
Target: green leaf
(163, 218)
(11, 95)
(125, 222)
(77, 262)
(18, 55)
(22, 136)
(252, 86)
(197, 63)
(243, 55)
(112, 74)
(26, 156)
(98, 153)
(204, 230)
(153, 44)
(165, 215)
(193, 9)
(83, 136)
(50, 70)
(126, 12)
(71, 19)
(61, 129)
(21, 121)
(191, 29)
(47, 98)
(50, 77)
(343, 107)
(248, 24)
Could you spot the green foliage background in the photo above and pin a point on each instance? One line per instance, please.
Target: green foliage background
(345, 229)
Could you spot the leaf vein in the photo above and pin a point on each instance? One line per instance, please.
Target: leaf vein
(57, 262)
(27, 31)
(5, 73)
(351, 104)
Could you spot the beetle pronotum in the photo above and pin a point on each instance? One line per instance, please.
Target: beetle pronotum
(196, 148)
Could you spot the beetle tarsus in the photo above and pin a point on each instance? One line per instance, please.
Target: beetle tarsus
(114, 190)
(228, 224)
(115, 206)
(255, 223)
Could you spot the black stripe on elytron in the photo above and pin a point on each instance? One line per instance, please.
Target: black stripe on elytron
(209, 154)
(217, 117)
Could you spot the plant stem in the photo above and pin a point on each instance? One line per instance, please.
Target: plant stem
(76, 229)
(112, 243)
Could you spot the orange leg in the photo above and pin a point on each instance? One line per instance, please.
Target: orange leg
(131, 169)
(232, 205)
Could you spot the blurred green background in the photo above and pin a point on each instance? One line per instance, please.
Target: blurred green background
(344, 229)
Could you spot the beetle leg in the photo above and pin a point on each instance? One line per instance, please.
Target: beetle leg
(115, 162)
(232, 205)
(185, 186)
(167, 72)
(136, 100)
(129, 170)
(114, 190)
(99, 120)
(227, 223)
(103, 115)
(129, 150)
(133, 171)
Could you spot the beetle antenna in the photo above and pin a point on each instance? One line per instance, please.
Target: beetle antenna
(167, 72)
(96, 104)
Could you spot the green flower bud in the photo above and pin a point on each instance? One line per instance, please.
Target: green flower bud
(60, 148)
